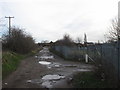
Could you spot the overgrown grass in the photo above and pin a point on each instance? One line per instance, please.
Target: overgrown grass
(11, 60)
(90, 80)
(33, 52)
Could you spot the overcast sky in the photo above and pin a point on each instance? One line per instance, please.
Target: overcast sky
(51, 19)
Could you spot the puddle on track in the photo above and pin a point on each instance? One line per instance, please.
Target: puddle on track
(44, 51)
(50, 64)
(49, 80)
(46, 57)
(44, 62)
(54, 65)
(52, 77)
(45, 54)
(47, 84)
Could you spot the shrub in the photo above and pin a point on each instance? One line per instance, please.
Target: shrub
(66, 41)
(18, 41)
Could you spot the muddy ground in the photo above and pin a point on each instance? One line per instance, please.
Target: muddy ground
(45, 70)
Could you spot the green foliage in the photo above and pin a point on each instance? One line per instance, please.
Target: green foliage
(33, 52)
(18, 41)
(10, 62)
(89, 80)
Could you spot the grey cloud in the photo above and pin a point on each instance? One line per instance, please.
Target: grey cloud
(79, 25)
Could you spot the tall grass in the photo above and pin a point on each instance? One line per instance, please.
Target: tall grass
(91, 80)
(10, 62)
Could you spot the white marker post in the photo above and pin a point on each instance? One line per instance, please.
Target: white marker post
(86, 58)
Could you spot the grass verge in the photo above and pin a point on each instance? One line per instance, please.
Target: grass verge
(89, 80)
(11, 60)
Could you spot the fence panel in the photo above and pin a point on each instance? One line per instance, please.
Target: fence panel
(108, 54)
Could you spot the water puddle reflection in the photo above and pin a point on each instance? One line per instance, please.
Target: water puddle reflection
(50, 64)
(47, 84)
(49, 80)
(46, 57)
(54, 65)
(52, 77)
(44, 62)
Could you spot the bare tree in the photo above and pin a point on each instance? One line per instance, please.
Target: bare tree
(78, 40)
(114, 30)
(67, 37)
(44, 41)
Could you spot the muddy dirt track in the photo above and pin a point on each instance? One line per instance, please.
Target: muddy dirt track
(45, 70)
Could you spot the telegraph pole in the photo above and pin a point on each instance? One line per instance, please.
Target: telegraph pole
(9, 18)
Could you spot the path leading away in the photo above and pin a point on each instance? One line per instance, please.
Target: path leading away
(45, 70)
